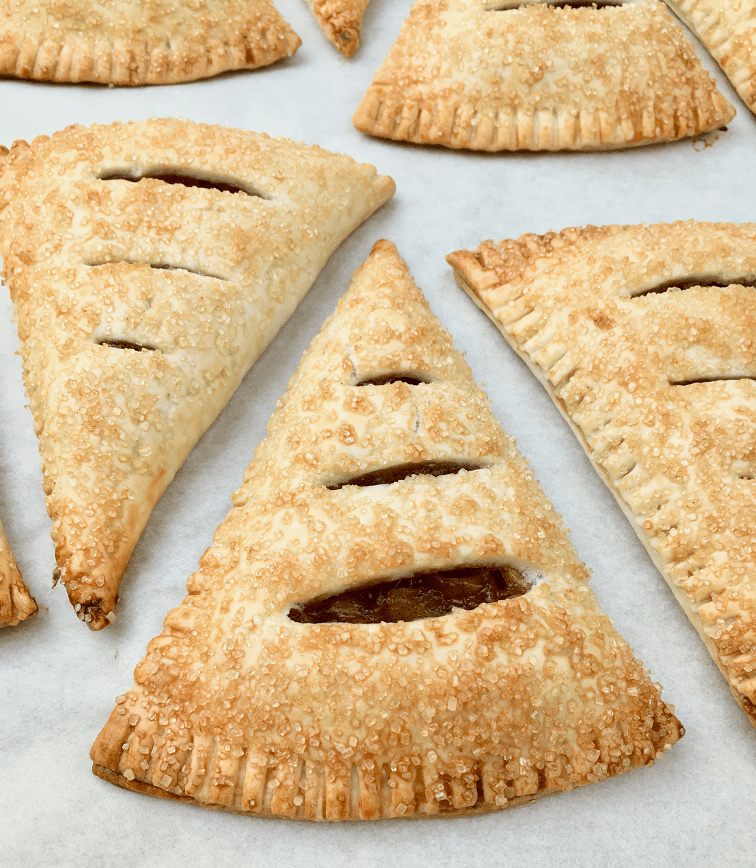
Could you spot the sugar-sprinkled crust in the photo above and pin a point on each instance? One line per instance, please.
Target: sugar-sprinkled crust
(340, 21)
(466, 74)
(134, 42)
(16, 603)
(141, 305)
(237, 706)
(656, 374)
(728, 30)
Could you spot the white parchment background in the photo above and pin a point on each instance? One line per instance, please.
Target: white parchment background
(696, 807)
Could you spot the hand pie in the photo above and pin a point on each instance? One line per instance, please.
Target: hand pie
(644, 337)
(728, 30)
(149, 265)
(340, 21)
(16, 603)
(139, 41)
(391, 621)
(501, 77)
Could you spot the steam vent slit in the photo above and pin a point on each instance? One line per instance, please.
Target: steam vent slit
(185, 179)
(387, 379)
(703, 280)
(389, 475)
(714, 378)
(559, 4)
(161, 266)
(431, 594)
(125, 345)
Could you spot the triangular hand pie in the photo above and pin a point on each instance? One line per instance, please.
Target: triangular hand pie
(728, 30)
(16, 603)
(504, 76)
(391, 621)
(139, 41)
(340, 21)
(149, 265)
(644, 337)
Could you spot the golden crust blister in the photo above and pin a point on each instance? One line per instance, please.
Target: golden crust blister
(239, 706)
(135, 42)
(142, 301)
(728, 30)
(466, 74)
(340, 21)
(16, 603)
(644, 337)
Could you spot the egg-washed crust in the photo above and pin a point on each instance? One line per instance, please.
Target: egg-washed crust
(201, 279)
(465, 74)
(135, 42)
(340, 21)
(16, 603)
(238, 706)
(658, 383)
(728, 30)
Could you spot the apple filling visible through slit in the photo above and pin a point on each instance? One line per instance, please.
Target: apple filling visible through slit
(387, 379)
(421, 595)
(701, 280)
(389, 475)
(125, 345)
(510, 5)
(181, 178)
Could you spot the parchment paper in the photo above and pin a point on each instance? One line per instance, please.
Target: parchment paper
(58, 681)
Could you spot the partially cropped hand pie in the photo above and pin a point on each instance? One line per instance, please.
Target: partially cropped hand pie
(149, 266)
(340, 21)
(391, 621)
(644, 338)
(538, 76)
(135, 42)
(16, 603)
(728, 30)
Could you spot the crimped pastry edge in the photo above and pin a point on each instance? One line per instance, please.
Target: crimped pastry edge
(76, 60)
(146, 789)
(548, 129)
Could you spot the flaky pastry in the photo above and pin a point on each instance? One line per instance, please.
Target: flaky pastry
(498, 77)
(728, 30)
(16, 603)
(149, 265)
(139, 41)
(644, 337)
(340, 21)
(391, 621)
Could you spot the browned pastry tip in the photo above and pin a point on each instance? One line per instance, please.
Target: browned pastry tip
(340, 21)
(16, 603)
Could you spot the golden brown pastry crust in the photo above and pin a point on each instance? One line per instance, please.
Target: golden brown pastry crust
(340, 21)
(466, 75)
(16, 603)
(136, 42)
(200, 279)
(728, 30)
(658, 384)
(238, 706)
